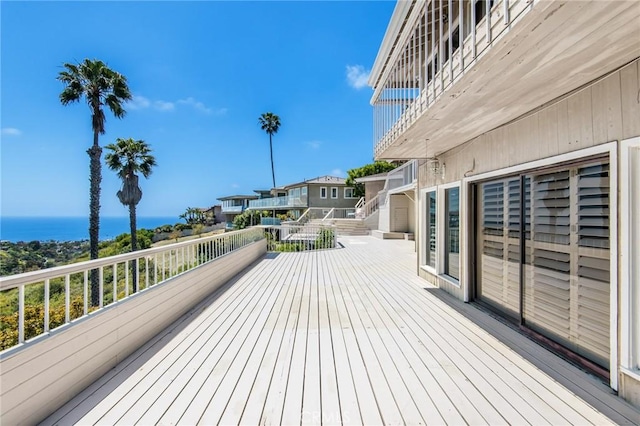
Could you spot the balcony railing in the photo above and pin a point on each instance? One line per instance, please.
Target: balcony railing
(291, 236)
(416, 76)
(232, 209)
(46, 299)
(277, 203)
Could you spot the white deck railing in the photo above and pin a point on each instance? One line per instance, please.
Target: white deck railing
(369, 208)
(62, 294)
(300, 237)
(278, 203)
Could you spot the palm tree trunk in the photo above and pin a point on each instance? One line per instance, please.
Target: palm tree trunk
(273, 174)
(95, 152)
(134, 245)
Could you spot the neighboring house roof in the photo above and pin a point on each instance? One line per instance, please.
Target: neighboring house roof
(335, 180)
(372, 178)
(238, 197)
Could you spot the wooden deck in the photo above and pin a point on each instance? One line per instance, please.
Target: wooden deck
(348, 336)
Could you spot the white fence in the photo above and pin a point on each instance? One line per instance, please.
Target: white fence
(61, 295)
(300, 237)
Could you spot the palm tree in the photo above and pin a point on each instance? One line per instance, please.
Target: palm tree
(99, 86)
(128, 157)
(270, 123)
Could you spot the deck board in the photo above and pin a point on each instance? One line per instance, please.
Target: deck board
(345, 336)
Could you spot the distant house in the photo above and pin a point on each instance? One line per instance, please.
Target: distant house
(233, 205)
(325, 192)
(214, 213)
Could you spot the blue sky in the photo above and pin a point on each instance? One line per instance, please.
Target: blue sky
(201, 74)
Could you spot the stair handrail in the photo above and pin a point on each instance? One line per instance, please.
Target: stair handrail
(304, 215)
(330, 213)
(360, 203)
(370, 207)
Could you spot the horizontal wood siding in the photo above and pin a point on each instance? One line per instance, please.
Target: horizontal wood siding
(43, 375)
(605, 111)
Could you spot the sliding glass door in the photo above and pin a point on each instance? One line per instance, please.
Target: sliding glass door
(543, 253)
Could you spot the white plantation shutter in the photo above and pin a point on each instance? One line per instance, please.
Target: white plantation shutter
(593, 260)
(567, 284)
(500, 252)
(566, 259)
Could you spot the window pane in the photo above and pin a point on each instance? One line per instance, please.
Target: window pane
(452, 233)
(430, 250)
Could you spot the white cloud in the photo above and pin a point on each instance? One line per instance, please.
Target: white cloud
(314, 144)
(11, 131)
(197, 105)
(357, 76)
(338, 172)
(141, 102)
(138, 102)
(164, 106)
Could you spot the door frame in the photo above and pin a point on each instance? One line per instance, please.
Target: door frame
(610, 149)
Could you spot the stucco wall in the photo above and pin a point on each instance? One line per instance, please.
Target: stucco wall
(340, 202)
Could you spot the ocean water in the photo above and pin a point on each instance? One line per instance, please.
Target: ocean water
(71, 228)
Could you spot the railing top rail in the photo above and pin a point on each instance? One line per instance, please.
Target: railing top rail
(13, 281)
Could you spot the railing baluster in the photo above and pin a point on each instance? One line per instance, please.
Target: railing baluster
(146, 272)
(461, 33)
(449, 27)
(46, 304)
(126, 278)
(488, 16)
(115, 282)
(163, 266)
(101, 286)
(507, 18)
(86, 292)
(67, 298)
(473, 30)
(21, 314)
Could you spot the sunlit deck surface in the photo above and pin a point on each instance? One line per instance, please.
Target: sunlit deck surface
(348, 336)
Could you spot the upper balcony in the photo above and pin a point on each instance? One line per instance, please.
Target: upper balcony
(451, 70)
(278, 203)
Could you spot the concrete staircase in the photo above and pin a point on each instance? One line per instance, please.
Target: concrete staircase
(346, 226)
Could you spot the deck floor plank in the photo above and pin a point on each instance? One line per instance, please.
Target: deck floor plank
(345, 336)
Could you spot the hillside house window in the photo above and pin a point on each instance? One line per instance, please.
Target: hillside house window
(430, 229)
(334, 192)
(349, 193)
(323, 192)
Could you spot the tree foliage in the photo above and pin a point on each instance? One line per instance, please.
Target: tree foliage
(366, 170)
(98, 85)
(270, 123)
(249, 218)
